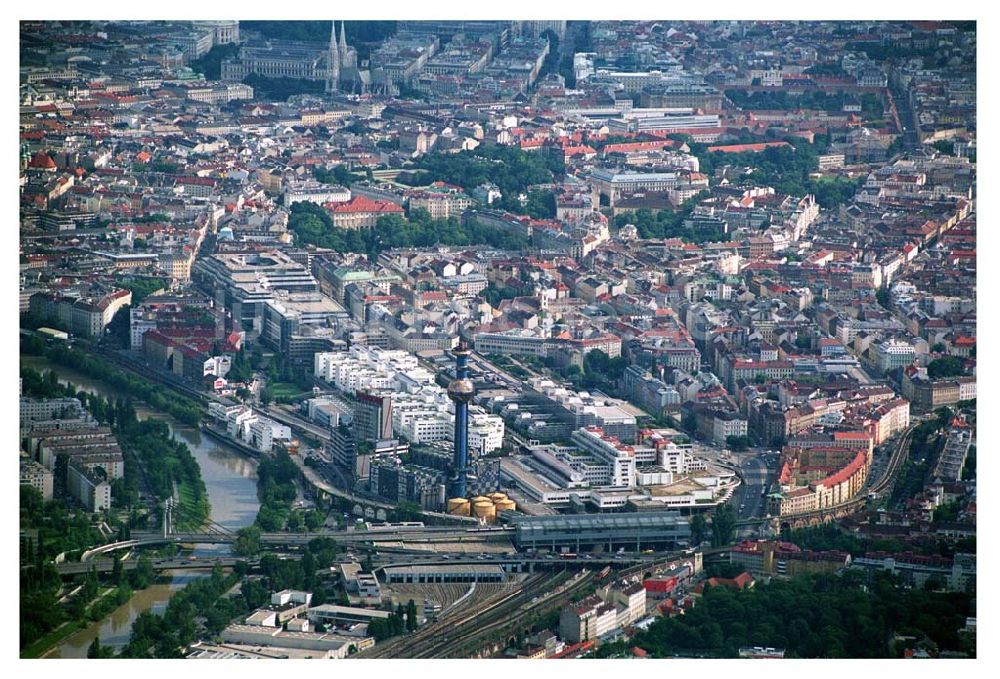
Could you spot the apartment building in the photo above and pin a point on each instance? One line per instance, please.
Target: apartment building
(589, 619)
(609, 452)
(43, 409)
(37, 476)
(88, 487)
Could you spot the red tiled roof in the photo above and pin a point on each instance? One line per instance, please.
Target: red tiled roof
(42, 161)
(850, 435)
(742, 148)
(641, 146)
(196, 181)
(362, 204)
(859, 461)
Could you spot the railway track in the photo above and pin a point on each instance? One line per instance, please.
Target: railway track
(469, 634)
(472, 619)
(398, 647)
(895, 463)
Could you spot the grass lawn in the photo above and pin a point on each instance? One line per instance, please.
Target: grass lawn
(287, 390)
(36, 649)
(191, 513)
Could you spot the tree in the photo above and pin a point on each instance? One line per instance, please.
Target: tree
(689, 423)
(882, 297)
(397, 619)
(314, 520)
(143, 574)
(313, 224)
(933, 584)
(411, 615)
(117, 572)
(738, 442)
(308, 564)
(408, 511)
(94, 650)
(247, 541)
(841, 616)
(946, 366)
(141, 288)
(31, 504)
(723, 526)
(118, 328)
(280, 89)
(210, 65)
(699, 529)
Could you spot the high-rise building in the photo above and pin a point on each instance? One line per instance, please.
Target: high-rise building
(372, 416)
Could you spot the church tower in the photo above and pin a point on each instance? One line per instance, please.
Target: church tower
(333, 62)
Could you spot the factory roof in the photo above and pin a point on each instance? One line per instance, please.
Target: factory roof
(595, 521)
(449, 568)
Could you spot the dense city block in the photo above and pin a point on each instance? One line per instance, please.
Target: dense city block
(497, 339)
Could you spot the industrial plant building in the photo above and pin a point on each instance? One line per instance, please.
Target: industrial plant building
(594, 532)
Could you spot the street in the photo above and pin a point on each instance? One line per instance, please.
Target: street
(758, 469)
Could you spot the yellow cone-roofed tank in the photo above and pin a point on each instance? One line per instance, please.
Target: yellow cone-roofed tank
(497, 497)
(484, 510)
(458, 506)
(481, 498)
(505, 505)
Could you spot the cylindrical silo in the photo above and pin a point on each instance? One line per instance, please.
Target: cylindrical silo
(458, 506)
(505, 505)
(484, 510)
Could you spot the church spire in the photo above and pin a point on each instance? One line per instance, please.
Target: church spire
(333, 59)
(343, 40)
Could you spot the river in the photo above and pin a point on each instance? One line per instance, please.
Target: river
(231, 483)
